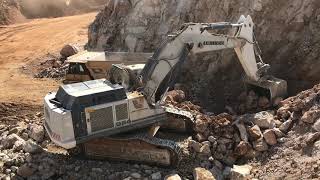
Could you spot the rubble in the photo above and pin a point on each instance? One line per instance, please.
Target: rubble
(57, 73)
(260, 145)
(202, 174)
(286, 125)
(31, 147)
(36, 133)
(316, 125)
(240, 172)
(255, 132)
(270, 137)
(311, 116)
(172, 177)
(263, 119)
(52, 66)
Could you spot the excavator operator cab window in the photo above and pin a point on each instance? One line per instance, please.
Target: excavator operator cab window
(77, 68)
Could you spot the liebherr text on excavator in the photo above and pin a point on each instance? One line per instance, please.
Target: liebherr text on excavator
(103, 117)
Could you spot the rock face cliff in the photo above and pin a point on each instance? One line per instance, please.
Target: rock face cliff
(288, 33)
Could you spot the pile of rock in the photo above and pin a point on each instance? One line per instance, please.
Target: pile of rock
(221, 140)
(250, 102)
(53, 72)
(57, 66)
(18, 144)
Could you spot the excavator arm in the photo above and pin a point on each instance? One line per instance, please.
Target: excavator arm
(196, 38)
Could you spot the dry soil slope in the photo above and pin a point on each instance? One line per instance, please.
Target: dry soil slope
(24, 43)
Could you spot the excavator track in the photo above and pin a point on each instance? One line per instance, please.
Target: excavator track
(140, 148)
(178, 120)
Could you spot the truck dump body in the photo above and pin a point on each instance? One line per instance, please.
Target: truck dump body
(87, 65)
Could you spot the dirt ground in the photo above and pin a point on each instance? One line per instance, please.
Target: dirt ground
(21, 44)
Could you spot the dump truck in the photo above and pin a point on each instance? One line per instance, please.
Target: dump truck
(90, 65)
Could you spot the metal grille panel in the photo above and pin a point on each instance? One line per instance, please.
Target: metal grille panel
(101, 119)
(122, 112)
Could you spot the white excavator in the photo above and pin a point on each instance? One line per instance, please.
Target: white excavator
(107, 118)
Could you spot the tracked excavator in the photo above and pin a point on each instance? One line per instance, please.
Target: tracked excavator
(118, 119)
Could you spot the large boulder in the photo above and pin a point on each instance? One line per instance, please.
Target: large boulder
(69, 50)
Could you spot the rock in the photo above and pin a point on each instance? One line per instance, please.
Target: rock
(172, 177)
(136, 175)
(263, 102)
(278, 132)
(263, 119)
(200, 137)
(37, 133)
(243, 131)
(25, 171)
(202, 174)
(218, 164)
(156, 176)
(316, 149)
(19, 144)
(242, 148)
(286, 125)
(212, 139)
(240, 172)
(226, 172)
(311, 138)
(201, 126)
(10, 140)
(270, 137)
(176, 96)
(97, 170)
(316, 125)
(195, 146)
(260, 145)
(283, 112)
(25, 136)
(311, 116)
(14, 130)
(255, 132)
(69, 50)
(205, 149)
(32, 147)
(14, 168)
(252, 153)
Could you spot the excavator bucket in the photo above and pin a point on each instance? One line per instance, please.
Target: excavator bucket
(269, 87)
